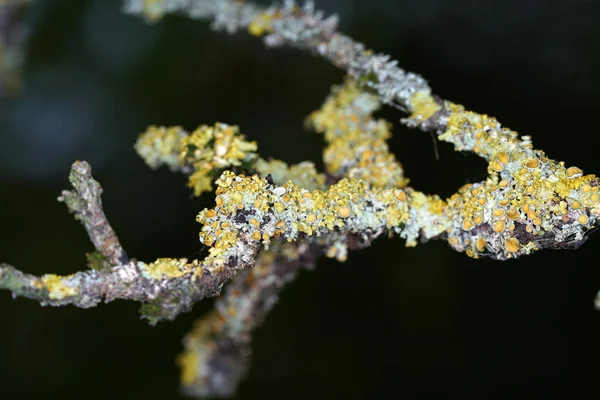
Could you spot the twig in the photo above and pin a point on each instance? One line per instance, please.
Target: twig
(86, 203)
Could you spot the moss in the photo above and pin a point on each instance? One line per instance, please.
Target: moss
(153, 311)
(97, 261)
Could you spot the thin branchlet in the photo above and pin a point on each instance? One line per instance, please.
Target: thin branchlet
(85, 202)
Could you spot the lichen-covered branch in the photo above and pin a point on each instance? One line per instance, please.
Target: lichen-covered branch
(527, 202)
(356, 141)
(300, 27)
(208, 150)
(478, 219)
(85, 202)
(218, 349)
(168, 286)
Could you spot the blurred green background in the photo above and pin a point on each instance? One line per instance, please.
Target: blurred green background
(391, 322)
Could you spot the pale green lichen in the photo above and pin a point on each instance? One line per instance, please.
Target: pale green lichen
(160, 145)
(303, 174)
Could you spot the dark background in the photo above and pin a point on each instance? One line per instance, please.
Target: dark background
(422, 322)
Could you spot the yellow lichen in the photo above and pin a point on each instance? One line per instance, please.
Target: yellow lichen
(188, 362)
(423, 106)
(160, 145)
(535, 190)
(512, 245)
(206, 150)
(57, 288)
(303, 174)
(263, 22)
(170, 268)
(357, 145)
(349, 201)
(211, 148)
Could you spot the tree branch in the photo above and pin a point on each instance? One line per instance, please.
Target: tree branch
(528, 202)
(170, 286)
(86, 204)
(218, 349)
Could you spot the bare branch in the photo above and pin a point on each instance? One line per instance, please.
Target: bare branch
(85, 202)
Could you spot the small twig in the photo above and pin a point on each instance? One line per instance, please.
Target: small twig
(86, 203)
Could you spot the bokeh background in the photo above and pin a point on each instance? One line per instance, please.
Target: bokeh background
(391, 322)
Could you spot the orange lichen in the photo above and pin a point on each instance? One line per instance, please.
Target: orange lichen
(357, 145)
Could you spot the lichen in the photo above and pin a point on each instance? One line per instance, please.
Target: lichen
(169, 268)
(357, 145)
(57, 288)
(160, 145)
(528, 200)
(188, 362)
(202, 153)
(262, 23)
(304, 174)
(252, 208)
(423, 106)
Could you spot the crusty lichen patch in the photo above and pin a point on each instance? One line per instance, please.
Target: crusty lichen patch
(168, 268)
(253, 209)
(303, 174)
(528, 201)
(357, 145)
(160, 145)
(203, 152)
(423, 106)
(57, 288)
